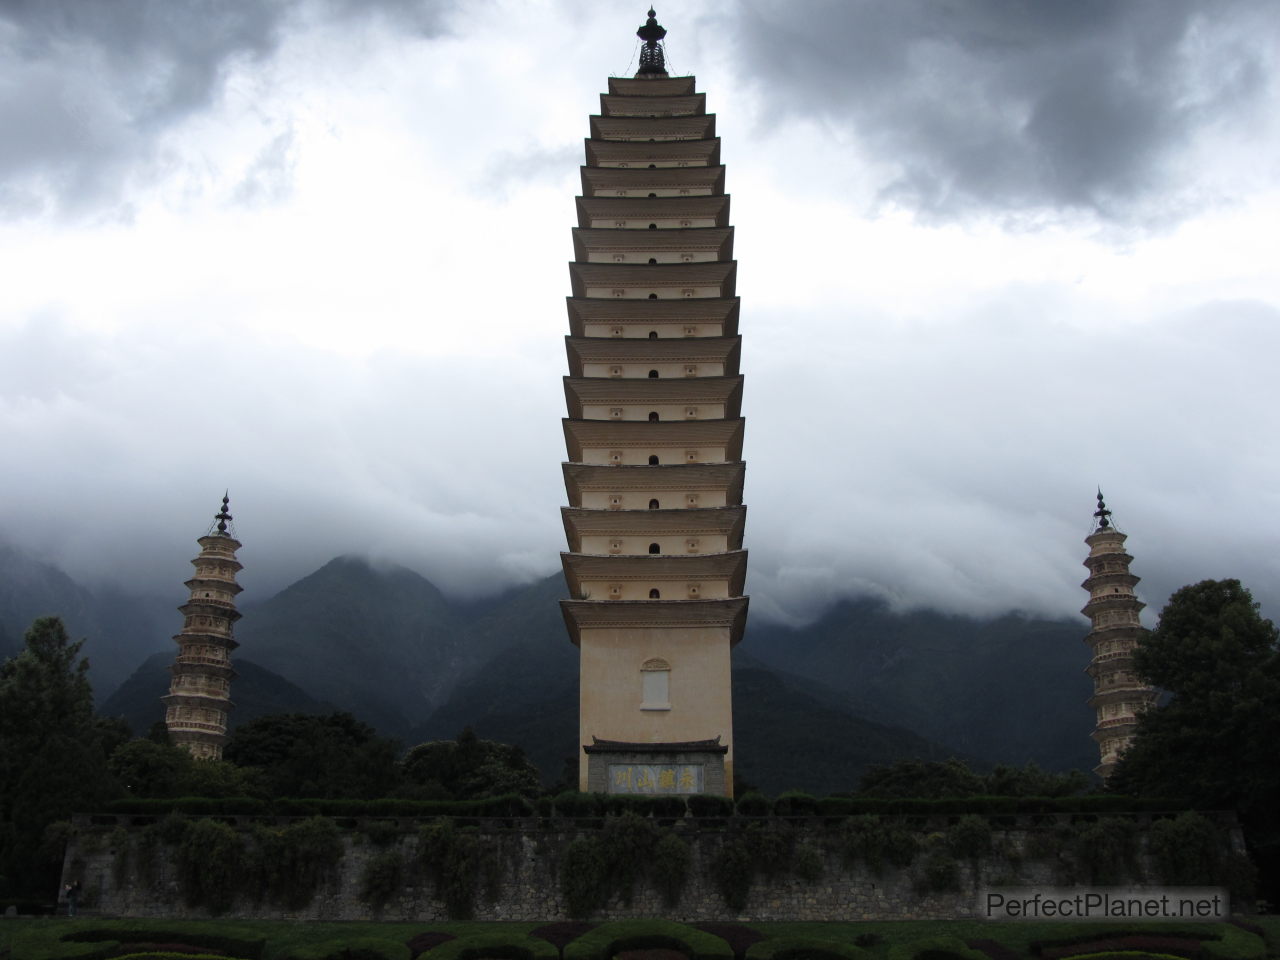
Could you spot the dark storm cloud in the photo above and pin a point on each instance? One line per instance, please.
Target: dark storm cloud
(87, 89)
(1017, 106)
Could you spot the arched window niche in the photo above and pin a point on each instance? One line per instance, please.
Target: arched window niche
(655, 684)
(653, 459)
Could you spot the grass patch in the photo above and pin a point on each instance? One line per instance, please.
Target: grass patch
(97, 939)
(796, 948)
(613, 937)
(500, 946)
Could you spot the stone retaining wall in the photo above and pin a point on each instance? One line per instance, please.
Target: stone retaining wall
(528, 884)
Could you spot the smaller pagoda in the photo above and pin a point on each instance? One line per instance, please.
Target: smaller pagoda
(1113, 609)
(199, 699)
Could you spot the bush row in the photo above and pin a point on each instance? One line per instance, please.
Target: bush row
(610, 939)
(214, 942)
(571, 804)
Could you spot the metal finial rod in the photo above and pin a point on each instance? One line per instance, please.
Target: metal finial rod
(1102, 513)
(223, 515)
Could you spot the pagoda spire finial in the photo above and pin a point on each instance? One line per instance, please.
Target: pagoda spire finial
(223, 517)
(1102, 514)
(652, 59)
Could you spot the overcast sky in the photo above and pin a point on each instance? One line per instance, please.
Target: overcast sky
(992, 254)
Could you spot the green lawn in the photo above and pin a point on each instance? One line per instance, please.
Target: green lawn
(41, 938)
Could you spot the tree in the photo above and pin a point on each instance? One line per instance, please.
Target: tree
(300, 755)
(951, 778)
(467, 768)
(920, 779)
(52, 761)
(148, 769)
(1213, 742)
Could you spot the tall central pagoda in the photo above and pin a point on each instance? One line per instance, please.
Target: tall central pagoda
(1119, 695)
(199, 697)
(655, 565)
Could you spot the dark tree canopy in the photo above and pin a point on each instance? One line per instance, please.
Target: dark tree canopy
(467, 768)
(1214, 742)
(937, 779)
(300, 755)
(52, 752)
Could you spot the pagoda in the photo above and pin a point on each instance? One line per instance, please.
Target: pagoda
(655, 565)
(1113, 608)
(199, 697)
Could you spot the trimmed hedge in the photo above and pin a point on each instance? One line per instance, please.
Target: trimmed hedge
(708, 805)
(804, 948)
(172, 955)
(511, 805)
(507, 946)
(1235, 943)
(795, 803)
(237, 947)
(67, 950)
(352, 948)
(996, 806)
(1167, 945)
(608, 939)
(1220, 941)
(573, 804)
(935, 948)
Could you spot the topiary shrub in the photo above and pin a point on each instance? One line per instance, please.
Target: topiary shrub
(805, 948)
(794, 803)
(935, 948)
(428, 940)
(752, 804)
(66, 951)
(498, 946)
(1169, 945)
(352, 948)
(709, 805)
(574, 804)
(562, 932)
(608, 939)
(738, 936)
(193, 940)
